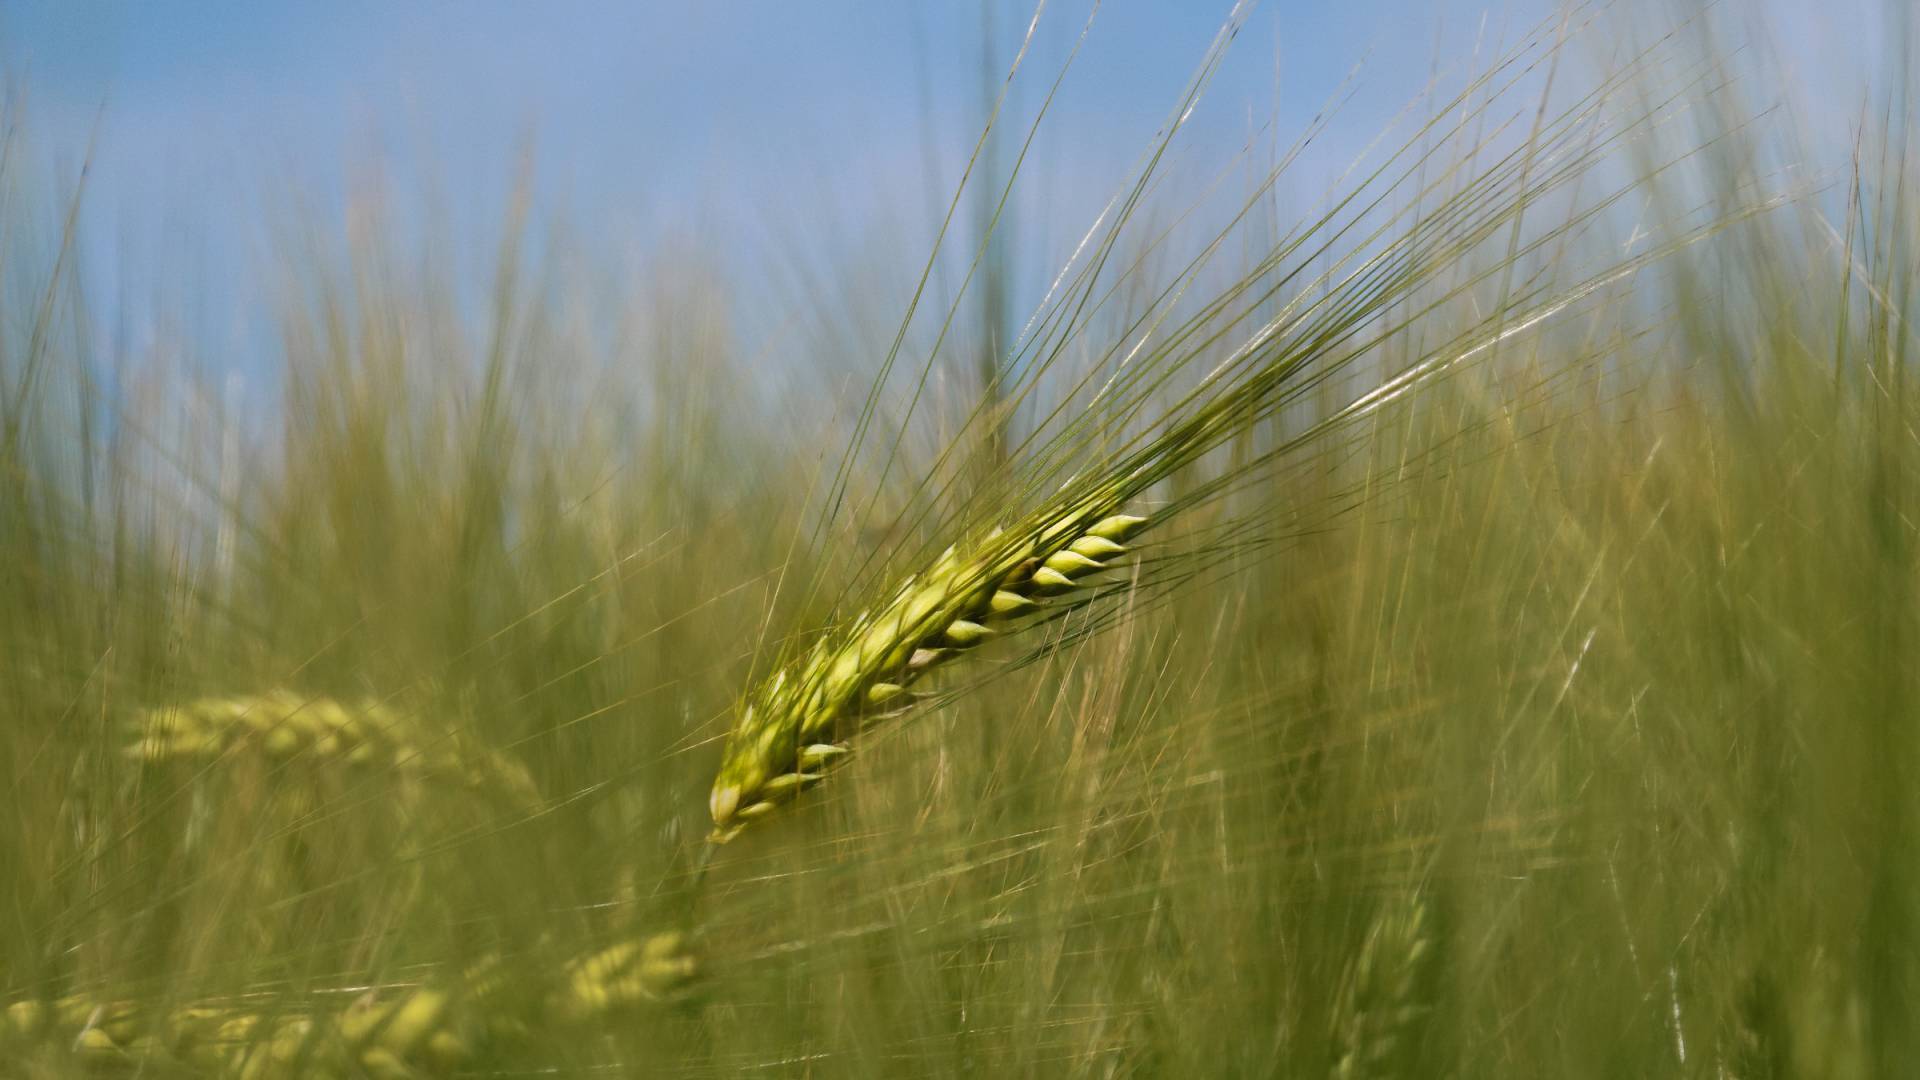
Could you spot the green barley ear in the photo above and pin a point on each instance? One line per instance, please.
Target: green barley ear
(125, 1036)
(796, 725)
(321, 732)
(645, 970)
(1377, 1014)
(435, 1029)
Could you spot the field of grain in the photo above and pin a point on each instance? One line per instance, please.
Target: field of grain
(1460, 624)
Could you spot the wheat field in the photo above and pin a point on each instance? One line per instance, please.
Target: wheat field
(1458, 624)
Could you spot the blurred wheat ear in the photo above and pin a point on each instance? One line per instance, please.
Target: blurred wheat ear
(1377, 1015)
(320, 733)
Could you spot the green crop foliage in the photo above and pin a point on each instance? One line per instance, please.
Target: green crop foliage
(1467, 628)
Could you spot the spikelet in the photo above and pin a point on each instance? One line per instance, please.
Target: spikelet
(796, 724)
(411, 1036)
(323, 733)
(422, 1031)
(638, 971)
(202, 1040)
(1377, 1012)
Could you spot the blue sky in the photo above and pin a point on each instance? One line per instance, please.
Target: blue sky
(735, 121)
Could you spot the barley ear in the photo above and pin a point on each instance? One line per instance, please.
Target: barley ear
(661, 967)
(322, 732)
(1377, 1014)
(796, 725)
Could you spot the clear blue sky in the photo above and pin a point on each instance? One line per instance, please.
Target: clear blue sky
(737, 120)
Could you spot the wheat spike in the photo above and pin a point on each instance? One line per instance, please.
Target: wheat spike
(414, 1034)
(287, 726)
(797, 724)
(428, 1030)
(1378, 1009)
(638, 971)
